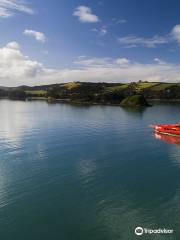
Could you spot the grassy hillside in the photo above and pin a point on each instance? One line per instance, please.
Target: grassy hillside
(134, 101)
(162, 86)
(71, 85)
(116, 88)
(103, 93)
(36, 92)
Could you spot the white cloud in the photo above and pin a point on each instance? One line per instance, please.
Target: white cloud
(39, 36)
(13, 45)
(101, 62)
(112, 72)
(133, 41)
(13, 64)
(159, 61)
(101, 31)
(119, 21)
(93, 62)
(18, 69)
(176, 33)
(85, 15)
(122, 61)
(9, 7)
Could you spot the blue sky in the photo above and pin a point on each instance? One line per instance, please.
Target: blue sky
(69, 40)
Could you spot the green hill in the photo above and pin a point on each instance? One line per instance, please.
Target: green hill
(134, 101)
(97, 93)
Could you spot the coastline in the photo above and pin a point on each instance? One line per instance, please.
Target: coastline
(69, 101)
(163, 100)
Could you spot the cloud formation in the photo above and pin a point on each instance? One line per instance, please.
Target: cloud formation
(85, 15)
(13, 45)
(39, 36)
(124, 70)
(9, 7)
(119, 21)
(131, 41)
(101, 31)
(175, 33)
(159, 61)
(122, 61)
(17, 69)
(14, 65)
(93, 62)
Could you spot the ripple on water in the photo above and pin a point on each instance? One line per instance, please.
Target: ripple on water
(91, 172)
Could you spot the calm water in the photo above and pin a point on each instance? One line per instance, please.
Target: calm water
(86, 173)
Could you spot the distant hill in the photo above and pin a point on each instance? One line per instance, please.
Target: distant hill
(100, 93)
(134, 101)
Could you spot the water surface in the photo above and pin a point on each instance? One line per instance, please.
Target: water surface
(86, 173)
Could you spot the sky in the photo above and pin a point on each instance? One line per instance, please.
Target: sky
(52, 41)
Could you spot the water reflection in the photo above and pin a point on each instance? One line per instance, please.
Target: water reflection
(135, 112)
(167, 138)
(15, 122)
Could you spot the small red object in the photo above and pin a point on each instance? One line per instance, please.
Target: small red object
(167, 129)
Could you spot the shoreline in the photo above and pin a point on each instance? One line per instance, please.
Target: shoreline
(68, 101)
(163, 100)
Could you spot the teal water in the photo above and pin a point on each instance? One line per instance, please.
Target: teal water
(86, 173)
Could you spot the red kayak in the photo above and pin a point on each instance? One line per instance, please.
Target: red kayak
(168, 129)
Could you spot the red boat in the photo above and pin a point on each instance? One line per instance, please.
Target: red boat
(167, 129)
